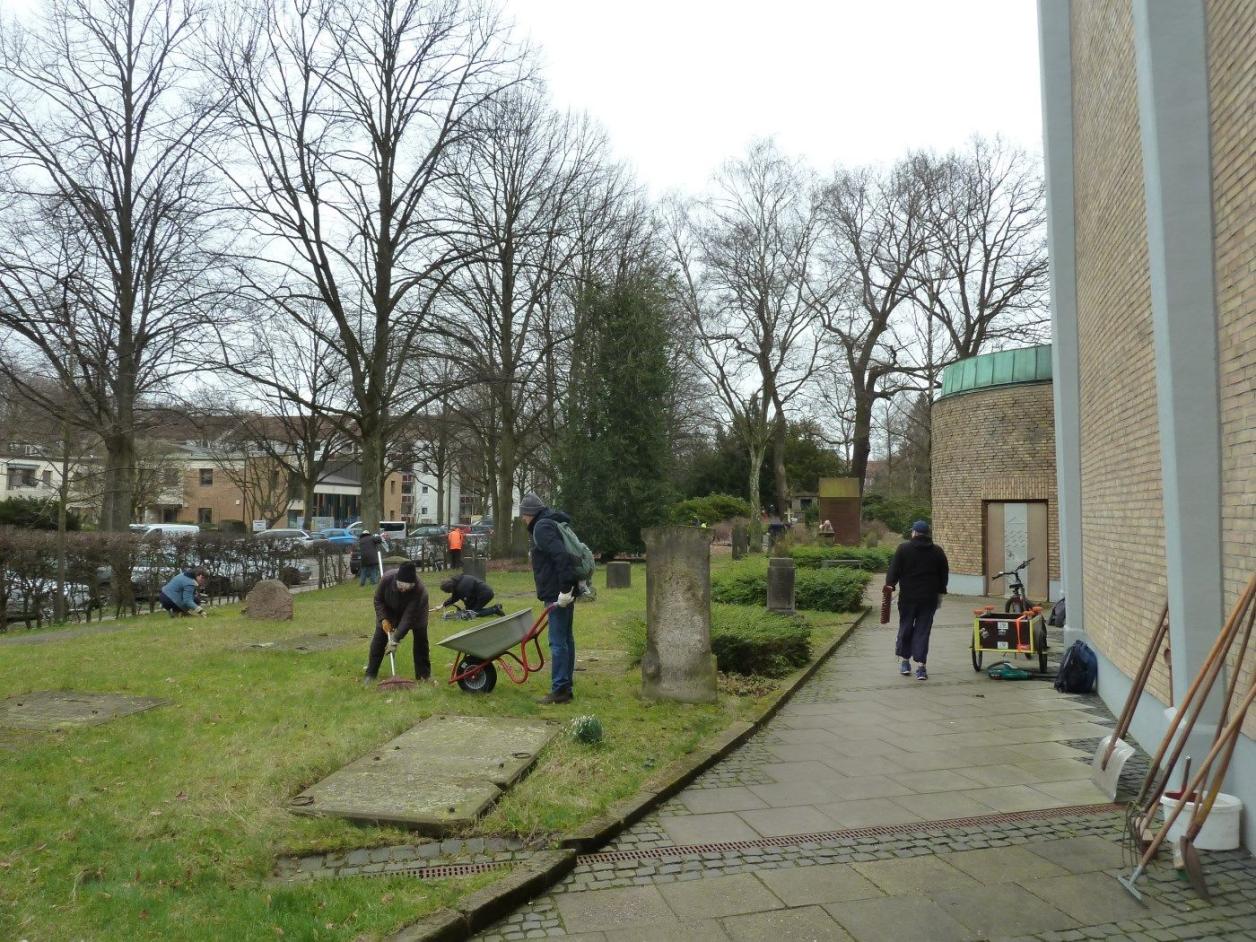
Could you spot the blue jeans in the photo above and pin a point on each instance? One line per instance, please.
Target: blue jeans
(915, 621)
(368, 574)
(562, 647)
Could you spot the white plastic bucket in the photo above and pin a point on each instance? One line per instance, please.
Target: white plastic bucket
(1221, 828)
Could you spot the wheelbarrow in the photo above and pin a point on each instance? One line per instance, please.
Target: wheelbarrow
(484, 646)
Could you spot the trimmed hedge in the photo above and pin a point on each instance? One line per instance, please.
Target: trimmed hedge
(709, 510)
(745, 641)
(824, 590)
(874, 558)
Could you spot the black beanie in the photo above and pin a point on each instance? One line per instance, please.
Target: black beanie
(407, 573)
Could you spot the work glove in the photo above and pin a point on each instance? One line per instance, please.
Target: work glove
(197, 610)
(390, 647)
(387, 626)
(565, 599)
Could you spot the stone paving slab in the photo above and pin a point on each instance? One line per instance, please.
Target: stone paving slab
(1003, 911)
(804, 924)
(440, 775)
(900, 918)
(47, 710)
(720, 896)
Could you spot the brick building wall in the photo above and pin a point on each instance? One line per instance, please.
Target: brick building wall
(1232, 100)
(995, 443)
(1123, 556)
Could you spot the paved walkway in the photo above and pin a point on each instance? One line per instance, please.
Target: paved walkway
(877, 807)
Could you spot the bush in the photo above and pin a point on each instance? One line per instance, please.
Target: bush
(874, 558)
(897, 513)
(710, 509)
(745, 641)
(35, 513)
(754, 642)
(824, 590)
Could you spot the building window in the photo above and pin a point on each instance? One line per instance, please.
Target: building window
(423, 511)
(207, 477)
(21, 477)
(425, 491)
(393, 487)
(204, 514)
(170, 478)
(47, 479)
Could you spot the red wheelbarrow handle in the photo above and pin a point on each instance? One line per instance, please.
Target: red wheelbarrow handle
(523, 659)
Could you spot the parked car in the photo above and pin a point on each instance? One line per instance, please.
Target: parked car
(429, 531)
(337, 536)
(33, 600)
(393, 528)
(168, 531)
(291, 536)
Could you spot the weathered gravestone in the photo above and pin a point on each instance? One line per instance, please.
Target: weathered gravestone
(61, 709)
(436, 778)
(741, 541)
(781, 585)
(269, 600)
(678, 663)
(475, 566)
(618, 575)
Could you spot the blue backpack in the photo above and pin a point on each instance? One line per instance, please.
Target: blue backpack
(1079, 670)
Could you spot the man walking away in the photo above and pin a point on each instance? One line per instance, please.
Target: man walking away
(455, 548)
(920, 569)
(400, 608)
(554, 572)
(473, 593)
(178, 596)
(369, 549)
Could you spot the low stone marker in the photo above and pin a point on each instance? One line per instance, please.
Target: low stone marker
(741, 541)
(475, 566)
(678, 663)
(61, 709)
(438, 777)
(781, 585)
(269, 600)
(619, 575)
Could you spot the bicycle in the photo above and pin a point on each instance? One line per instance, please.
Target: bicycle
(1017, 604)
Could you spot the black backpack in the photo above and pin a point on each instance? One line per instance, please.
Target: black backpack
(1057, 615)
(1079, 670)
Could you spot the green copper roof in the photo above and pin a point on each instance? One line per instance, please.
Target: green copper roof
(1005, 368)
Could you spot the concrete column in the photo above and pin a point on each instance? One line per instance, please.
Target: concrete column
(1056, 58)
(1170, 41)
(618, 575)
(781, 585)
(678, 663)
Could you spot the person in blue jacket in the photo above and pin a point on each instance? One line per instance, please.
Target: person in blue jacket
(178, 597)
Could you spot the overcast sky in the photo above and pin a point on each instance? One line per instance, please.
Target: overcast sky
(681, 85)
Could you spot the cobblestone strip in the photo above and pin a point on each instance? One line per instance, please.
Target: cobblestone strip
(1231, 874)
(373, 861)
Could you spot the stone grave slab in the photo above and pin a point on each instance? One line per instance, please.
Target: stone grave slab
(436, 777)
(304, 644)
(47, 710)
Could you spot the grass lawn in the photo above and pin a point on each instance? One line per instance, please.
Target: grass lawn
(166, 824)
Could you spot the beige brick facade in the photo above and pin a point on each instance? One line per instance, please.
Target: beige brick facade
(992, 444)
(1232, 100)
(1123, 557)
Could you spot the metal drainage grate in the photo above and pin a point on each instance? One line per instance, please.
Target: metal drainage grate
(440, 872)
(885, 830)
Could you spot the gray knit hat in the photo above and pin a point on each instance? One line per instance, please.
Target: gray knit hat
(531, 505)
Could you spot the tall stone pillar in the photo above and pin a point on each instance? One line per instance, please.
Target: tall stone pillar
(781, 585)
(741, 541)
(678, 663)
(475, 566)
(520, 539)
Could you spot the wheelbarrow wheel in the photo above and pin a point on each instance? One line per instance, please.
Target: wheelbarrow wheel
(483, 681)
(976, 654)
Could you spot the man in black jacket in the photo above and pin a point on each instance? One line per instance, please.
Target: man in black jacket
(554, 572)
(473, 593)
(920, 569)
(370, 549)
(400, 608)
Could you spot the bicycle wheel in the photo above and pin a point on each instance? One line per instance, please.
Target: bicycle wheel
(976, 656)
(1040, 642)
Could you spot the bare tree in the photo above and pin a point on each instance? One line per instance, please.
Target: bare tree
(520, 184)
(875, 235)
(346, 112)
(754, 286)
(984, 278)
(104, 250)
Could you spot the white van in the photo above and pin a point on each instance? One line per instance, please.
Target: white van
(166, 531)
